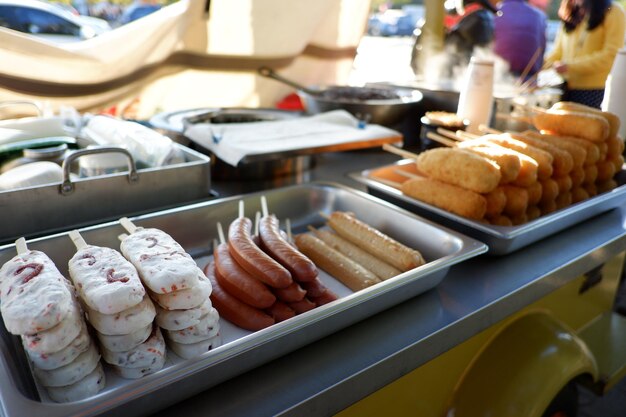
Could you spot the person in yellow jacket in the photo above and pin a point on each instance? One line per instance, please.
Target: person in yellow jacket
(591, 33)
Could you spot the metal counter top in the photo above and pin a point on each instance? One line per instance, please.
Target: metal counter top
(331, 374)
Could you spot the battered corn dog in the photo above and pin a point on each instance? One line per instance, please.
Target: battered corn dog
(615, 146)
(593, 152)
(509, 163)
(543, 158)
(516, 201)
(591, 173)
(565, 183)
(605, 186)
(571, 123)
(547, 207)
(550, 190)
(579, 194)
(460, 167)
(563, 200)
(448, 197)
(563, 162)
(578, 151)
(501, 220)
(606, 171)
(496, 201)
(578, 176)
(535, 191)
(612, 119)
(533, 212)
(618, 162)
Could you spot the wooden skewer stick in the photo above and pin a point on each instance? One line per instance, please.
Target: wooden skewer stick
(447, 133)
(257, 220)
(441, 139)
(463, 135)
(78, 240)
(122, 236)
(220, 233)
(241, 209)
(530, 64)
(264, 206)
(399, 151)
(128, 225)
(528, 84)
(288, 227)
(20, 246)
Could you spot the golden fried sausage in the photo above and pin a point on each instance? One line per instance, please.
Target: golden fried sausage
(535, 192)
(592, 189)
(543, 158)
(460, 167)
(618, 162)
(572, 123)
(533, 212)
(381, 269)
(562, 161)
(350, 273)
(591, 173)
(593, 152)
(578, 176)
(500, 220)
(509, 163)
(579, 194)
(519, 219)
(550, 190)
(565, 183)
(612, 119)
(605, 186)
(578, 152)
(516, 200)
(496, 201)
(374, 241)
(606, 170)
(563, 200)
(615, 146)
(547, 207)
(448, 197)
(604, 149)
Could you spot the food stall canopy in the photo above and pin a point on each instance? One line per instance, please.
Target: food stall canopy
(186, 55)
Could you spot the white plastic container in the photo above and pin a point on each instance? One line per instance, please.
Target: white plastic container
(31, 175)
(616, 90)
(476, 97)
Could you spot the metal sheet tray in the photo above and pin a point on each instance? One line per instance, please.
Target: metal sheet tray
(500, 239)
(45, 209)
(194, 226)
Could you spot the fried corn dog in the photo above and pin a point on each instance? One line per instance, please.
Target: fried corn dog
(612, 119)
(550, 190)
(578, 151)
(563, 162)
(535, 191)
(350, 273)
(579, 194)
(615, 146)
(516, 201)
(460, 167)
(533, 212)
(448, 197)
(509, 163)
(606, 171)
(591, 174)
(543, 158)
(496, 201)
(572, 123)
(578, 176)
(374, 241)
(565, 183)
(500, 220)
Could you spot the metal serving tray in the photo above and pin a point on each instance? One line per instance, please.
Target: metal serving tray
(500, 239)
(194, 226)
(42, 210)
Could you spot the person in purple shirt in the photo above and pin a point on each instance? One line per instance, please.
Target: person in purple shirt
(520, 35)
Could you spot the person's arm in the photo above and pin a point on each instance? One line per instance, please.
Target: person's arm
(614, 41)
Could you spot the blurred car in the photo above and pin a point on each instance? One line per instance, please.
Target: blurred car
(48, 21)
(137, 11)
(395, 22)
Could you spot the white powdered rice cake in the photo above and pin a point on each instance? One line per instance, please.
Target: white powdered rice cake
(207, 327)
(162, 263)
(186, 299)
(123, 342)
(124, 322)
(85, 388)
(180, 319)
(156, 361)
(73, 372)
(191, 350)
(59, 336)
(34, 295)
(48, 361)
(143, 356)
(105, 280)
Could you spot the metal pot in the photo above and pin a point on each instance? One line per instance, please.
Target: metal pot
(383, 106)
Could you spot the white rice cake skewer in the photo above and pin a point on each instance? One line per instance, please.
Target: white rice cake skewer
(54, 360)
(188, 298)
(180, 319)
(191, 350)
(156, 341)
(124, 322)
(104, 279)
(90, 385)
(207, 327)
(73, 372)
(122, 342)
(162, 264)
(142, 356)
(58, 337)
(34, 295)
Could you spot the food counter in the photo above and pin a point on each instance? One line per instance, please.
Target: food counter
(339, 370)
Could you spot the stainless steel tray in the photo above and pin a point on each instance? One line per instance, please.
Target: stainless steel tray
(194, 226)
(500, 239)
(42, 210)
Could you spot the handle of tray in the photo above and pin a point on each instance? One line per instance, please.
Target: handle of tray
(67, 187)
(36, 105)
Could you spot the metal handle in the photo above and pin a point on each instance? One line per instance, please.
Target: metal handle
(67, 187)
(270, 73)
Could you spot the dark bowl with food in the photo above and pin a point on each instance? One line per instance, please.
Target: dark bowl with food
(382, 106)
